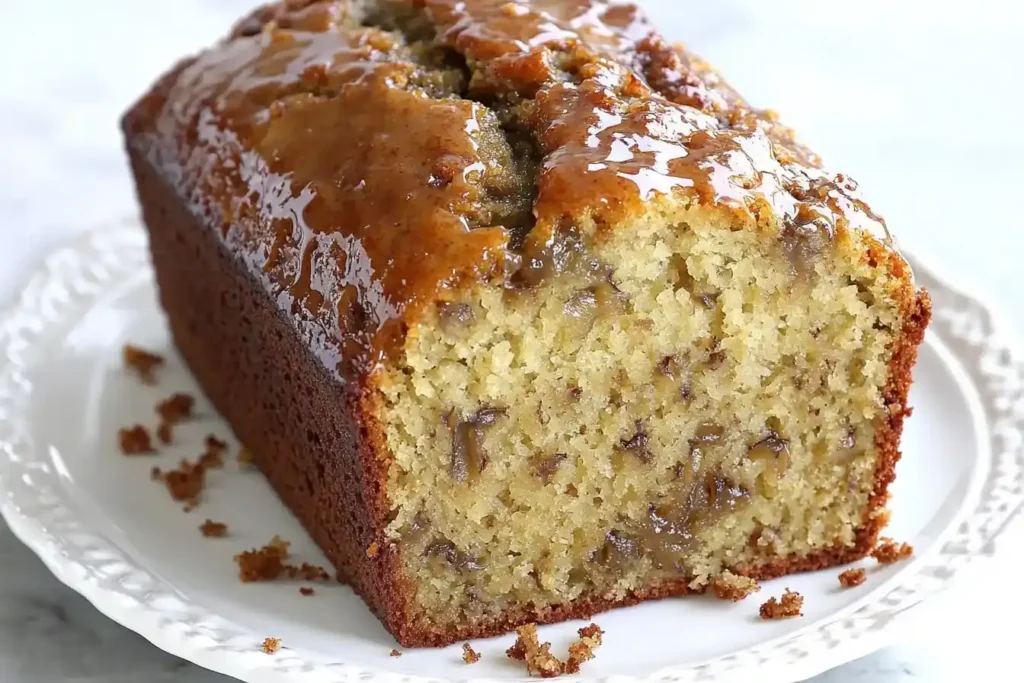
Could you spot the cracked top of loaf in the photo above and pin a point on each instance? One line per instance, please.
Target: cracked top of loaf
(364, 157)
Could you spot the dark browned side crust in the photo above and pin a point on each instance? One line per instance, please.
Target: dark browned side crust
(310, 436)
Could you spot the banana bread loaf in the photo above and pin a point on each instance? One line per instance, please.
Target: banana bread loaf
(522, 311)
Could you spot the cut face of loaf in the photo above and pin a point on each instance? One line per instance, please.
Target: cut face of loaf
(523, 312)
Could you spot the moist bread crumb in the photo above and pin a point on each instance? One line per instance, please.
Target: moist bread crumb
(212, 529)
(135, 441)
(538, 658)
(732, 587)
(306, 591)
(852, 577)
(271, 645)
(889, 551)
(142, 362)
(790, 605)
(469, 655)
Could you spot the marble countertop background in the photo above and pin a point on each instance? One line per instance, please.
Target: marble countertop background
(919, 101)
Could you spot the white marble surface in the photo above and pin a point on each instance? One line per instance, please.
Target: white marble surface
(920, 101)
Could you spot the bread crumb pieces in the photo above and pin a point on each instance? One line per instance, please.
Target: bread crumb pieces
(211, 457)
(538, 657)
(583, 649)
(268, 564)
(156, 474)
(790, 605)
(212, 529)
(889, 551)
(142, 362)
(371, 552)
(165, 432)
(271, 645)
(263, 564)
(852, 577)
(306, 591)
(186, 482)
(176, 408)
(135, 440)
(396, 653)
(732, 587)
(469, 655)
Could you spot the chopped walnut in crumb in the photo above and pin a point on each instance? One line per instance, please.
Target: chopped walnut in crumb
(889, 551)
(135, 441)
(371, 552)
(852, 577)
(271, 645)
(538, 657)
(729, 586)
(212, 529)
(165, 432)
(469, 655)
(790, 605)
(582, 650)
(306, 591)
(141, 361)
(186, 482)
(396, 653)
(176, 408)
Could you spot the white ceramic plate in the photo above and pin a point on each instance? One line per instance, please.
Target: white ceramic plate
(106, 530)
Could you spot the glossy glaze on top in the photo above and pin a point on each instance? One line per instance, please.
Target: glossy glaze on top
(364, 157)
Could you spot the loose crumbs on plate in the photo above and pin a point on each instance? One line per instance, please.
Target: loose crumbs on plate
(538, 658)
(135, 440)
(142, 362)
(176, 408)
(165, 432)
(889, 551)
(212, 529)
(268, 564)
(852, 577)
(156, 474)
(732, 587)
(396, 653)
(469, 655)
(791, 605)
(186, 482)
(271, 645)
(212, 456)
(306, 591)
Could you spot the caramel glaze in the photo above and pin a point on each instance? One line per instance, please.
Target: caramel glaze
(364, 158)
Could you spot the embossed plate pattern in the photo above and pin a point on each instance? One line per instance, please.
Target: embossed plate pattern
(106, 531)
